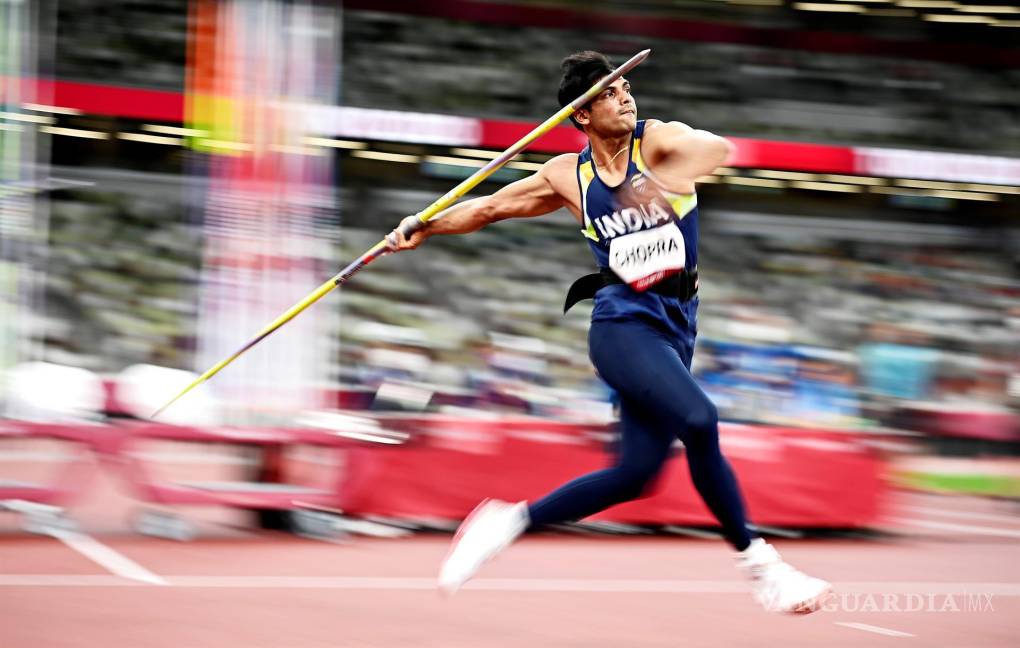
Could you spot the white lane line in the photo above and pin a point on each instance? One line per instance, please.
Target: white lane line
(42, 456)
(500, 584)
(873, 628)
(965, 515)
(66, 580)
(106, 557)
(962, 528)
(36, 456)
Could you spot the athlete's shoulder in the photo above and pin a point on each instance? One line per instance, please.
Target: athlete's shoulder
(676, 138)
(561, 165)
(656, 128)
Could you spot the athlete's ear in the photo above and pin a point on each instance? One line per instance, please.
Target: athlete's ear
(582, 116)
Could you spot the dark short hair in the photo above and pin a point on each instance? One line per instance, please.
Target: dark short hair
(580, 72)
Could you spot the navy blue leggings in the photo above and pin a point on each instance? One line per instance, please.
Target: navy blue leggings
(660, 402)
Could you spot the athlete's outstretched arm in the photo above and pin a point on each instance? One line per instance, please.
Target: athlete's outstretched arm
(678, 154)
(531, 196)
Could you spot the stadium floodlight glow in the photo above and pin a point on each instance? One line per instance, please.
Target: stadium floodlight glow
(226, 145)
(849, 179)
(836, 8)
(964, 195)
(928, 4)
(953, 18)
(784, 175)
(755, 182)
(897, 191)
(997, 9)
(174, 130)
(927, 184)
(456, 161)
(380, 249)
(525, 166)
(60, 110)
(335, 143)
(972, 186)
(827, 186)
(293, 149)
(35, 119)
(386, 157)
(74, 132)
(150, 139)
(936, 193)
(890, 13)
(478, 153)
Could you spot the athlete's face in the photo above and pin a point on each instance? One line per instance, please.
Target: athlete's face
(614, 112)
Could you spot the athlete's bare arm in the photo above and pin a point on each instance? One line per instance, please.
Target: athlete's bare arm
(547, 190)
(678, 154)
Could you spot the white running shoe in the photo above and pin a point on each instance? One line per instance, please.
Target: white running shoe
(486, 531)
(778, 587)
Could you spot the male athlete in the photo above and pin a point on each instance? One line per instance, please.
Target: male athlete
(632, 191)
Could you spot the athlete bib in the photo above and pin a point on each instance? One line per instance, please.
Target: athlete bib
(643, 259)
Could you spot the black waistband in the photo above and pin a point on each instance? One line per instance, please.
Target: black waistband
(683, 285)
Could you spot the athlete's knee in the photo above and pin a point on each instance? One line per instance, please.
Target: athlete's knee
(704, 417)
(635, 481)
(700, 425)
(635, 488)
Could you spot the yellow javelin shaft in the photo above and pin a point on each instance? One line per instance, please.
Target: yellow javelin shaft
(452, 196)
(291, 313)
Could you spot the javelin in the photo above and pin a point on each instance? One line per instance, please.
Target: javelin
(452, 196)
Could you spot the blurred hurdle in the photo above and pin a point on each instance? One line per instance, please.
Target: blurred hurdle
(50, 413)
(290, 478)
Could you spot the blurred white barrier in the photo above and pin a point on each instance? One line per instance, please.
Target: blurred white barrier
(49, 393)
(143, 388)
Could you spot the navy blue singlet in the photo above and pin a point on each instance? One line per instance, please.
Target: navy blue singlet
(604, 220)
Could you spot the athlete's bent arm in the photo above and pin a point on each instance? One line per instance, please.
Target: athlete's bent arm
(531, 196)
(679, 154)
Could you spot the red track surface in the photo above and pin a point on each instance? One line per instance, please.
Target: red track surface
(227, 589)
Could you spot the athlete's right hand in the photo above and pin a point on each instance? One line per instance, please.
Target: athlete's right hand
(398, 239)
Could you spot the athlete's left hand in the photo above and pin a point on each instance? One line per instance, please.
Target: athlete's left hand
(397, 240)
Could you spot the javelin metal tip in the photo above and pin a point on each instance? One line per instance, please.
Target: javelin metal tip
(634, 61)
(153, 416)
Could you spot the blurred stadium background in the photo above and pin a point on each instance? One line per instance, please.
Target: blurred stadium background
(177, 173)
